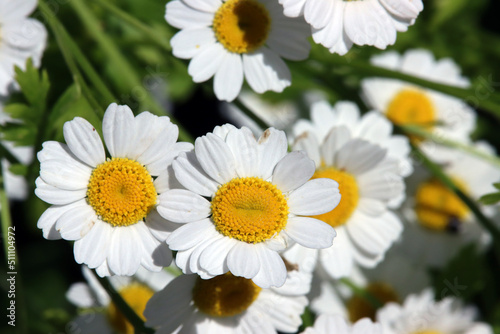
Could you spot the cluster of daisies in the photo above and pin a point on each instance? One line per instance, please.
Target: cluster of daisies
(243, 229)
(264, 224)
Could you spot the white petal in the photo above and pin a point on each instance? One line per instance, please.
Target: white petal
(93, 248)
(206, 62)
(210, 6)
(188, 43)
(125, 251)
(272, 148)
(118, 130)
(189, 235)
(243, 145)
(293, 8)
(308, 143)
(338, 259)
(181, 16)
(53, 195)
(159, 227)
(182, 206)
(13, 11)
(265, 70)
(292, 171)
(153, 257)
(272, 270)
(229, 77)
(65, 175)
(74, 224)
(358, 156)
(214, 258)
(53, 150)
(84, 141)
(192, 176)
(47, 221)
(310, 232)
(215, 158)
(318, 13)
(408, 9)
(243, 260)
(315, 197)
(335, 139)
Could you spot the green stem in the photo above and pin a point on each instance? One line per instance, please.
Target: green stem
(254, 117)
(448, 182)
(125, 309)
(147, 31)
(120, 64)
(421, 132)
(68, 57)
(357, 290)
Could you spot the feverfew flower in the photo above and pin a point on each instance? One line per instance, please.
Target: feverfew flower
(99, 314)
(22, 38)
(236, 39)
(326, 324)
(246, 199)
(408, 104)
(421, 314)
(108, 205)
(338, 24)
(223, 304)
(370, 181)
(439, 222)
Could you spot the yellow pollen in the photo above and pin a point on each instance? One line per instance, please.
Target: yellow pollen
(348, 188)
(136, 296)
(358, 307)
(242, 26)
(438, 208)
(249, 209)
(225, 295)
(121, 191)
(412, 107)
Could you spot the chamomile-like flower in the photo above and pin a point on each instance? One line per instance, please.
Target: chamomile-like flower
(236, 39)
(409, 104)
(21, 38)
(99, 314)
(338, 24)
(326, 324)
(223, 304)
(439, 222)
(370, 181)
(421, 314)
(246, 199)
(108, 206)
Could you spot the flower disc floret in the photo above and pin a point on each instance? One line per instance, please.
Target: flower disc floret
(348, 187)
(359, 307)
(411, 106)
(225, 295)
(121, 191)
(249, 209)
(241, 26)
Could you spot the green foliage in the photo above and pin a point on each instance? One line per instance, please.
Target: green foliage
(492, 198)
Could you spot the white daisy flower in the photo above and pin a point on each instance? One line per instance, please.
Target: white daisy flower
(107, 206)
(439, 223)
(22, 38)
(338, 24)
(370, 181)
(407, 104)
(223, 304)
(391, 281)
(421, 314)
(246, 200)
(99, 314)
(235, 39)
(326, 324)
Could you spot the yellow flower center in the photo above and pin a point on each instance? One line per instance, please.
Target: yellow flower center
(249, 209)
(242, 26)
(225, 295)
(348, 188)
(429, 332)
(121, 191)
(438, 208)
(358, 307)
(136, 296)
(411, 106)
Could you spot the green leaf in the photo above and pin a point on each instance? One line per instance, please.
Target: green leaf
(19, 111)
(496, 185)
(19, 169)
(490, 199)
(35, 86)
(20, 134)
(463, 277)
